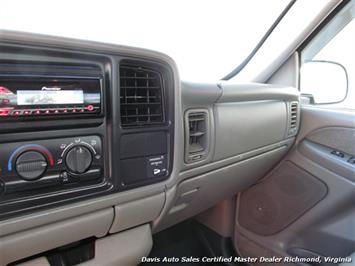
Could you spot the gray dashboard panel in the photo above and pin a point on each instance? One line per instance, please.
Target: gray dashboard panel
(200, 94)
(242, 131)
(218, 100)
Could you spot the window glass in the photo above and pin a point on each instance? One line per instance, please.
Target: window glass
(206, 38)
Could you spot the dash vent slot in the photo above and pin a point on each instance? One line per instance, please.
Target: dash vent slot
(141, 96)
(196, 136)
(293, 118)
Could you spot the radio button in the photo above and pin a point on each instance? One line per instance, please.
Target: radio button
(16, 112)
(31, 165)
(5, 111)
(78, 159)
(5, 101)
(2, 187)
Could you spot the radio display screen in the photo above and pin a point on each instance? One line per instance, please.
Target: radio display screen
(49, 97)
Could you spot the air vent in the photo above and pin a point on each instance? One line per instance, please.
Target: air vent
(196, 136)
(141, 96)
(293, 118)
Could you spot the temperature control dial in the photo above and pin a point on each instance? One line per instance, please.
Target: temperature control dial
(31, 165)
(78, 159)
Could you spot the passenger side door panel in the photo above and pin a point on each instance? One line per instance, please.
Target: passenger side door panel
(304, 207)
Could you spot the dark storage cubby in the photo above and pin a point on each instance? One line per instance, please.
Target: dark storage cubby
(143, 157)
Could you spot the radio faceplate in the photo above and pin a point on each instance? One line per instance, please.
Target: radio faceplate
(40, 96)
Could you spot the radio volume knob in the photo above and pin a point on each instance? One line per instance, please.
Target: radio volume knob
(31, 165)
(78, 159)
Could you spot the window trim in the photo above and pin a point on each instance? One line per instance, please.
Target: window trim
(322, 25)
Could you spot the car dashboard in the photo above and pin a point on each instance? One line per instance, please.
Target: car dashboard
(105, 141)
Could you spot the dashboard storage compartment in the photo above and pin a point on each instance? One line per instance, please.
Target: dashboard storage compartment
(238, 126)
(143, 157)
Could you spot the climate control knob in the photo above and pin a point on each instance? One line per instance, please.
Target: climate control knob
(78, 159)
(31, 165)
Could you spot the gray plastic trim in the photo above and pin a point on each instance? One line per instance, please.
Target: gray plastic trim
(137, 212)
(338, 138)
(126, 248)
(43, 218)
(293, 132)
(288, 73)
(41, 261)
(208, 128)
(323, 156)
(215, 186)
(136, 244)
(246, 126)
(234, 159)
(315, 117)
(199, 94)
(220, 218)
(257, 92)
(27, 243)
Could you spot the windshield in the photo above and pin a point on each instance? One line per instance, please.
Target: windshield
(207, 39)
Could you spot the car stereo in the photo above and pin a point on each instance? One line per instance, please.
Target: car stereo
(26, 96)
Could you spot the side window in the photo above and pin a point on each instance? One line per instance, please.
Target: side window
(327, 74)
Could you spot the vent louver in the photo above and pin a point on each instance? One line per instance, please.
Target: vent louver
(293, 118)
(141, 96)
(196, 136)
